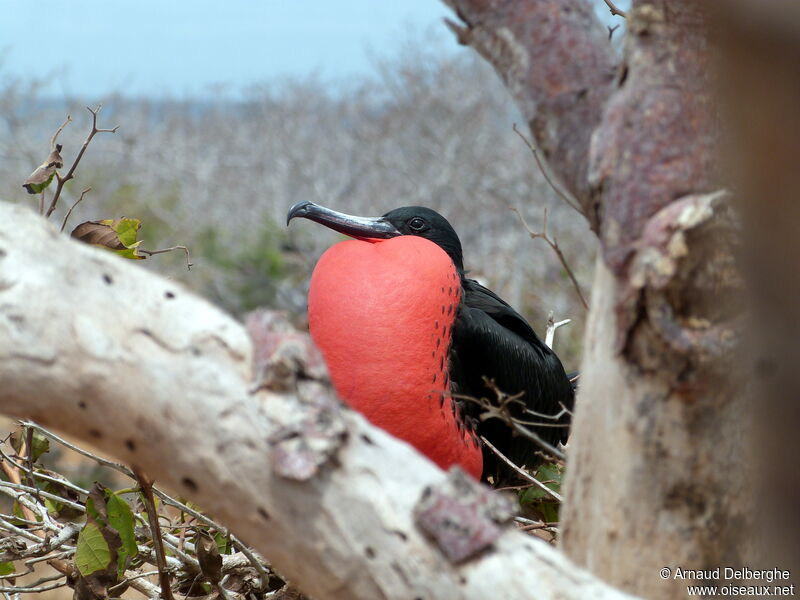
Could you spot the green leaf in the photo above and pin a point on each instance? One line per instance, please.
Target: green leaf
(52, 506)
(92, 512)
(549, 474)
(120, 518)
(6, 568)
(92, 552)
(223, 543)
(126, 229)
(39, 180)
(39, 445)
(118, 235)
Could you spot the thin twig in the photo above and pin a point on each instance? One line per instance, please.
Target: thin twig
(533, 436)
(39, 475)
(26, 489)
(552, 326)
(71, 208)
(28, 457)
(99, 459)
(33, 590)
(71, 173)
(565, 196)
(189, 264)
(131, 578)
(524, 474)
(553, 243)
(611, 31)
(66, 122)
(614, 10)
(155, 529)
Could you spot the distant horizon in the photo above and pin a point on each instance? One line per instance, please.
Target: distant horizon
(181, 51)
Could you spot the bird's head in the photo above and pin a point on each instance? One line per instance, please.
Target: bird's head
(407, 220)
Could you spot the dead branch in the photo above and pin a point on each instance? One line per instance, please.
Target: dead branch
(189, 264)
(614, 10)
(66, 122)
(524, 474)
(554, 246)
(552, 327)
(146, 486)
(567, 198)
(71, 208)
(71, 172)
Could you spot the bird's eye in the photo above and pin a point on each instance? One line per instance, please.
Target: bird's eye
(416, 224)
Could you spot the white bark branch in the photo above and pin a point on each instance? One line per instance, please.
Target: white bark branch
(99, 348)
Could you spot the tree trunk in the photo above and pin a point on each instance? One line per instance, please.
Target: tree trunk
(658, 456)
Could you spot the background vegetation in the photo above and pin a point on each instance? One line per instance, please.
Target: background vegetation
(219, 176)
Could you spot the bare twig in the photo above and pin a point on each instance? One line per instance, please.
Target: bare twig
(500, 411)
(66, 122)
(155, 530)
(13, 476)
(150, 590)
(614, 10)
(523, 473)
(553, 243)
(533, 436)
(555, 417)
(26, 489)
(71, 208)
(33, 590)
(71, 173)
(565, 196)
(189, 264)
(611, 31)
(27, 454)
(552, 326)
(99, 459)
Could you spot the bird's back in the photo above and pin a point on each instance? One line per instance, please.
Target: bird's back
(490, 339)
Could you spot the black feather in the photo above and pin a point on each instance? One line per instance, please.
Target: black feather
(490, 339)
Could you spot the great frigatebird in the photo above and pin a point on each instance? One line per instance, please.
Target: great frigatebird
(409, 339)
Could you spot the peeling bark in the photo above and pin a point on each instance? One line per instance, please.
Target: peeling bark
(96, 347)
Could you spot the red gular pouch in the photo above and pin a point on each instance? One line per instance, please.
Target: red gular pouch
(382, 312)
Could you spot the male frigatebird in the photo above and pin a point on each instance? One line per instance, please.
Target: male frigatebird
(408, 340)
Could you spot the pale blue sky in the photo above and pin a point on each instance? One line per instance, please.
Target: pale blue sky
(180, 48)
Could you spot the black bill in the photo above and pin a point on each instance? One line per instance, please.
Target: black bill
(361, 228)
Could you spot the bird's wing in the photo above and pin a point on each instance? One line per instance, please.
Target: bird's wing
(491, 339)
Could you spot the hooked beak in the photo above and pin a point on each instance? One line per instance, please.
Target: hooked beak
(360, 228)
